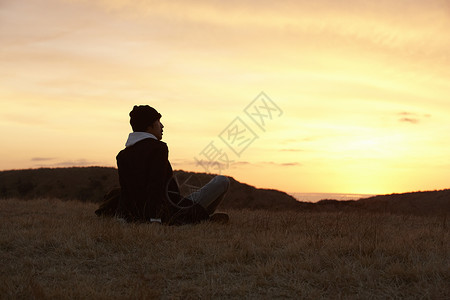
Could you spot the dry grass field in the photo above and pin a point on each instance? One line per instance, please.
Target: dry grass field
(55, 249)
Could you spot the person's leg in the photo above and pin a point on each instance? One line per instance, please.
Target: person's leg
(210, 195)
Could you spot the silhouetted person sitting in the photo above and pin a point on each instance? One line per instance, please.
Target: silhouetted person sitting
(148, 192)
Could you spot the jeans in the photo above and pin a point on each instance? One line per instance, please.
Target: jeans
(211, 194)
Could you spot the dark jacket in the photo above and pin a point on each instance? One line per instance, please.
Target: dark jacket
(145, 175)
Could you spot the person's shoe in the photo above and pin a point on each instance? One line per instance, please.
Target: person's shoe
(221, 218)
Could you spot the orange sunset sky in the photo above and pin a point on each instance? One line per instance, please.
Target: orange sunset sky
(362, 87)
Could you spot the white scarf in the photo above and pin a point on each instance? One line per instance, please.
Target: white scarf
(135, 137)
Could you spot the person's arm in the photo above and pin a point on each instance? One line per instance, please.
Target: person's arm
(158, 172)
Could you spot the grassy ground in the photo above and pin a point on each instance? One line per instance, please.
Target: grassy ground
(55, 249)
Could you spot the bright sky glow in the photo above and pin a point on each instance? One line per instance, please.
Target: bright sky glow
(364, 86)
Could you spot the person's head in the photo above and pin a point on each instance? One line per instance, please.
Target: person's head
(146, 119)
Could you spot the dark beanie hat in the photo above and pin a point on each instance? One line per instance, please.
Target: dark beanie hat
(142, 116)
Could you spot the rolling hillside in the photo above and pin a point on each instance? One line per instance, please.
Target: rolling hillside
(89, 184)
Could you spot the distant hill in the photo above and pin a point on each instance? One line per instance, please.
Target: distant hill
(85, 184)
(91, 183)
(418, 203)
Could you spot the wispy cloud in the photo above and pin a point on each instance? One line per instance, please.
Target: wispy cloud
(66, 163)
(285, 164)
(42, 158)
(413, 118)
(218, 167)
(290, 164)
(79, 162)
(409, 120)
